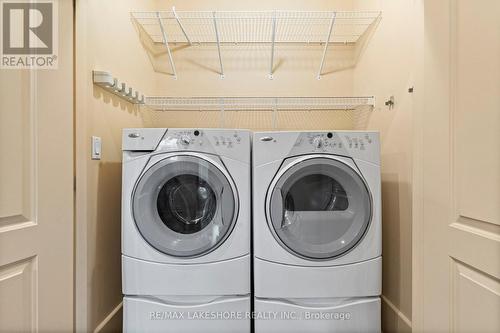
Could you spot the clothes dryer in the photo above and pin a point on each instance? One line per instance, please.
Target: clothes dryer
(317, 231)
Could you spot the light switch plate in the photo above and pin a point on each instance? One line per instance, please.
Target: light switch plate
(96, 148)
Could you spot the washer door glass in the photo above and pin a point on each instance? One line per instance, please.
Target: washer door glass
(320, 208)
(184, 206)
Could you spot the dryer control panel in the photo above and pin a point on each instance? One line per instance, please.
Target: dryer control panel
(331, 142)
(269, 146)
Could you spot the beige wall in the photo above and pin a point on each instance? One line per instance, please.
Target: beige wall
(106, 39)
(386, 67)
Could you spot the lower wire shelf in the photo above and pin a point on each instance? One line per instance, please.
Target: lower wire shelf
(258, 103)
(106, 81)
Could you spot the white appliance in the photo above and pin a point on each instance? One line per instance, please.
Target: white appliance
(186, 230)
(317, 231)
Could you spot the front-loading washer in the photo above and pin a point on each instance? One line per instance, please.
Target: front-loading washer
(186, 230)
(317, 231)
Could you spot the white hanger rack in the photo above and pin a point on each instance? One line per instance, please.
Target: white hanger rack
(106, 81)
(259, 27)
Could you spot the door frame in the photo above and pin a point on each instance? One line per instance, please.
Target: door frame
(419, 121)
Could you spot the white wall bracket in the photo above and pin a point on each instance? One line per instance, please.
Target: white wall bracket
(165, 41)
(273, 40)
(327, 42)
(217, 38)
(181, 26)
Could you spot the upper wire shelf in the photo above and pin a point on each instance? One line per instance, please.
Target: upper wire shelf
(256, 26)
(259, 27)
(257, 103)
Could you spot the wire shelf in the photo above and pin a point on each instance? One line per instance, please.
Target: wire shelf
(256, 26)
(257, 103)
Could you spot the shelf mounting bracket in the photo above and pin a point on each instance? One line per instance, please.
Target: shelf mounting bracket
(327, 41)
(165, 41)
(181, 26)
(218, 45)
(272, 47)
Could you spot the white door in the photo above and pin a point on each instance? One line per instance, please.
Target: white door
(458, 170)
(36, 192)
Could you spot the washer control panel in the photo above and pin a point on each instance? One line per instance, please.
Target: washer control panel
(231, 143)
(228, 141)
(182, 139)
(196, 139)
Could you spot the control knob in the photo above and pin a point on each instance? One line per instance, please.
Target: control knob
(318, 142)
(185, 140)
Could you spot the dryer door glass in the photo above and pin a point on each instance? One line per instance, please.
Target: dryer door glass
(320, 208)
(185, 206)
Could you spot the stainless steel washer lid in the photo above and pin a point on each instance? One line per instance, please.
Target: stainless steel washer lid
(319, 208)
(185, 206)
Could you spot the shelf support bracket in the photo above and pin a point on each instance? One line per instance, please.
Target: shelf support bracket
(272, 47)
(165, 41)
(181, 26)
(332, 22)
(218, 45)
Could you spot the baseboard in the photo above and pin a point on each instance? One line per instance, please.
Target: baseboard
(112, 322)
(393, 320)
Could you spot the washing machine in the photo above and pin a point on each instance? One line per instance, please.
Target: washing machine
(186, 230)
(317, 231)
